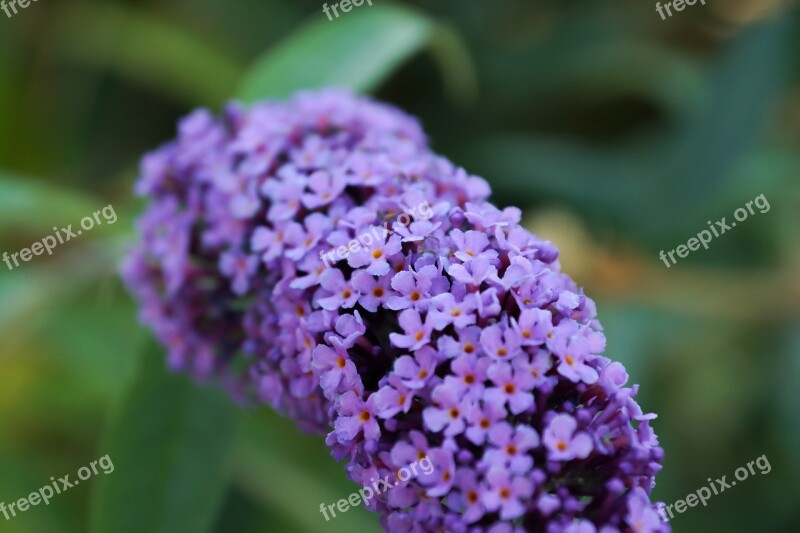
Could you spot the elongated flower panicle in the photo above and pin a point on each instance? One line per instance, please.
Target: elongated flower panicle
(450, 333)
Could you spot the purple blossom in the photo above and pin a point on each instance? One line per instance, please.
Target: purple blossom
(417, 333)
(334, 367)
(563, 443)
(415, 372)
(505, 493)
(449, 413)
(448, 333)
(355, 416)
(511, 448)
(376, 256)
(500, 344)
(239, 267)
(512, 386)
(482, 419)
(414, 288)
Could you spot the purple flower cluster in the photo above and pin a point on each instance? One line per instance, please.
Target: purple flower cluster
(454, 336)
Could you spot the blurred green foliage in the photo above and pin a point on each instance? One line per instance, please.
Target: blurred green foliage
(619, 134)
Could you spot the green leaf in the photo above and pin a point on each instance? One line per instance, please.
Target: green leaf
(144, 48)
(170, 443)
(355, 51)
(23, 200)
(291, 473)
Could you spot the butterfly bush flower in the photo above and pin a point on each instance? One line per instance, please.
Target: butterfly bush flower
(315, 255)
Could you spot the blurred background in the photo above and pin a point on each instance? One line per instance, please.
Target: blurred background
(619, 134)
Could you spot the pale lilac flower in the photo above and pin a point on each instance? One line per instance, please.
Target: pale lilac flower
(511, 446)
(499, 343)
(511, 386)
(506, 493)
(239, 267)
(376, 256)
(449, 413)
(563, 443)
(355, 416)
(417, 333)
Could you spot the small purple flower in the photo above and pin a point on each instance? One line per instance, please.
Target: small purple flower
(393, 398)
(563, 444)
(512, 386)
(468, 497)
(413, 287)
(469, 375)
(443, 474)
(532, 326)
(468, 343)
(286, 195)
(475, 272)
(355, 416)
(506, 493)
(417, 333)
(326, 188)
(341, 294)
(301, 241)
(376, 256)
(335, 367)
(511, 448)
(448, 311)
(471, 244)
(405, 452)
(239, 267)
(572, 352)
(482, 419)
(501, 345)
(415, 372)
(375, 292)
(449, 413)
(270, 242)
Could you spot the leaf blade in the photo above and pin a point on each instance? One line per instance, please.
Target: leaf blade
(355, 52)
(170, 442)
